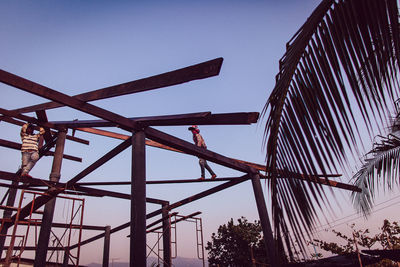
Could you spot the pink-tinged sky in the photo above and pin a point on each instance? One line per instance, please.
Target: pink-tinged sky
(78, 46)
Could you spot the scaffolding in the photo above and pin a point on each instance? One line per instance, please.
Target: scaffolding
(60, 241)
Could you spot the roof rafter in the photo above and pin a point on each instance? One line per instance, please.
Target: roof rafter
(195, 72)
(201, 118)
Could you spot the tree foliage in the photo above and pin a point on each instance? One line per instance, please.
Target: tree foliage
(388, 238)
(234, 244)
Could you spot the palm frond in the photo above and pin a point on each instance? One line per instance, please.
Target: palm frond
(342, 62)
(382, 168)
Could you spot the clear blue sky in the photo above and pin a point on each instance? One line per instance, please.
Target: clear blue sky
(78, 46)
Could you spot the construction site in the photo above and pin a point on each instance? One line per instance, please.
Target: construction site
(30, 236)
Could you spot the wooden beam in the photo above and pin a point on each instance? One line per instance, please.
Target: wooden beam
(124, 122)
(199, 71)
(319, 178)
(124, 137)
(8, 176)
(189, 148)
(41, 200)
(172, 206)
(42, 117)
(17, 146)
(17, 115)
(20, 123)
(202, 118)
(156, 120)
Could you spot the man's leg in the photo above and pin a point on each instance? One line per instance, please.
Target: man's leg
(25, 159)
(201, 163)
(33, 158)
(212, 173)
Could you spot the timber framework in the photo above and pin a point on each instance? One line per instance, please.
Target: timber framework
(139, 134)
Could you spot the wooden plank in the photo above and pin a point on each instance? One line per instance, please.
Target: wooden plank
(195, 72)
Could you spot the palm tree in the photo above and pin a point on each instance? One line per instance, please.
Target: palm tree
(381, 167)
(338, 75)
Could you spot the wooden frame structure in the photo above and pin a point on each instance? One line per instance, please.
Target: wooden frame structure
(140, 134)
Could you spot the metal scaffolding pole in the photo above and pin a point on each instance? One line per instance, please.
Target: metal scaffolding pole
(166, 224)
(265, 223)
(41, 252)
(138, 201)
(8, 212)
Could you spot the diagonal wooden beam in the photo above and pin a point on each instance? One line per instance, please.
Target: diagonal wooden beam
(123, 122)
(41, 200)
(175, 205)
(319, 178)
(43, 91)
(195, 72)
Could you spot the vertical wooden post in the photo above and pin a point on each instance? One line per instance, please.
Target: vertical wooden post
(66, 257)
(106, 249)
(166, 236)
(45, 229)
(138, 201)
(265, 223)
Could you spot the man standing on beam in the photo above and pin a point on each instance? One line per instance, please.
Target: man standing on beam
(199, 141)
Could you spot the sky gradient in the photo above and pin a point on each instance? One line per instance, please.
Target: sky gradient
(78, 46)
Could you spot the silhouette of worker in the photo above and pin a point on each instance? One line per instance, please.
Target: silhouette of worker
(29, 148)
(199, 141)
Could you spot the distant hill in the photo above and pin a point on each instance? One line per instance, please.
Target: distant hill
(178, 262)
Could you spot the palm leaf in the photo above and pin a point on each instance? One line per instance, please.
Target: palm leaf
(342, 62)
(380, 169)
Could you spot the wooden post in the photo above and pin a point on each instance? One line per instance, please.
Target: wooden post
(265, 223)
(45, 229)
(106, 249)
(166, 236)
(66, 257)
(138, 201)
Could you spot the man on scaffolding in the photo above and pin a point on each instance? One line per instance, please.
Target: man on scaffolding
(29, 148)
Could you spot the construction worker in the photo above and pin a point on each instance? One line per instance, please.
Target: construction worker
(199, 141)
(29, 148)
